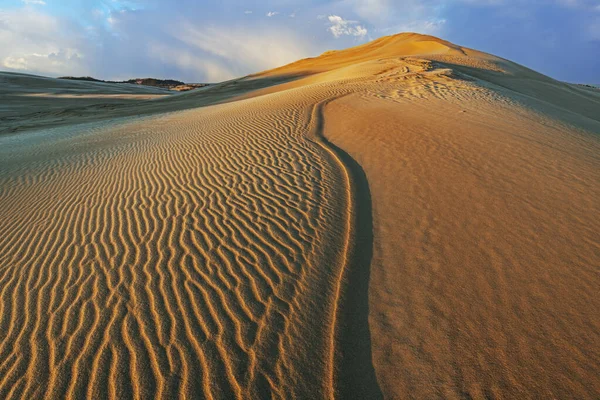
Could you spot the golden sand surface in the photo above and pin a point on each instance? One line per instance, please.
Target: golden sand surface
(403, 219)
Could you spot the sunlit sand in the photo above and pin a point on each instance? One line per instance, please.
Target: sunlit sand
(403, 219)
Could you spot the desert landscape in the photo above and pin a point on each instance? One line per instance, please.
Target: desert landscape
(407, 218)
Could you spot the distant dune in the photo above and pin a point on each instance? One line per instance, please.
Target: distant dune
(403, 219)
(169, 84)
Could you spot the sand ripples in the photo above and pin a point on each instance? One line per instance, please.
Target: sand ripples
(187, 255)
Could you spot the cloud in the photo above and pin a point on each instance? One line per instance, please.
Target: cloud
(340, 27)
(207, 41)
(39, 43)
(587, 4)
(37, 2)
(593, 30)
(244, 50)
(187, 60)
(372, 10)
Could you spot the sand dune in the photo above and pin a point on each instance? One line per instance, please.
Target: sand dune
(405, 219)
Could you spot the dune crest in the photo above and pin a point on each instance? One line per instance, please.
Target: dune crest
(407, 218)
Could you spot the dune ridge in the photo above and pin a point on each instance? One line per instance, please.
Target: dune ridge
(408, 218)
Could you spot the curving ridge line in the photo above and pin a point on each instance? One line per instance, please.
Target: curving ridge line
(351, 371)
(181, 288)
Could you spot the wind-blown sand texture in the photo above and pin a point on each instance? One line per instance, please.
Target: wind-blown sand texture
(404, 219)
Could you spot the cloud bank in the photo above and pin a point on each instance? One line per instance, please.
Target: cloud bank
(200, 42)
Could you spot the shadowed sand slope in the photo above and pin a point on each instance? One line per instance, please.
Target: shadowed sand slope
(405, 219)
(32, 102)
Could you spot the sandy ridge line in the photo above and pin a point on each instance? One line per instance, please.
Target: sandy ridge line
(316, 134)
(345, 380)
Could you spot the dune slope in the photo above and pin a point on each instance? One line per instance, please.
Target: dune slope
(404, 219)
(191, 254)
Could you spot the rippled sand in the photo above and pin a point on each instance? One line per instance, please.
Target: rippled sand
(405, 219)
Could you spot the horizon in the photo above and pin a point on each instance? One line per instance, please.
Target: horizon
(120, 39)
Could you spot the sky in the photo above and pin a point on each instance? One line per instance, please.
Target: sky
(211, 41)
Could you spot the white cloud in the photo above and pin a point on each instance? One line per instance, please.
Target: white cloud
(185, 59)
(37, 2)
(577, 3)
(340, 27)
(593, 30)
(244, 50)
(372, 10)
(39, 43)
(16, 63)
(110, 39)
(428, 27)
(123, 47)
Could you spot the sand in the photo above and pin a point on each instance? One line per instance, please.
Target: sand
(405, 219)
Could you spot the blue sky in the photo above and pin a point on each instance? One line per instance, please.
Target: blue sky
(202, 41)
